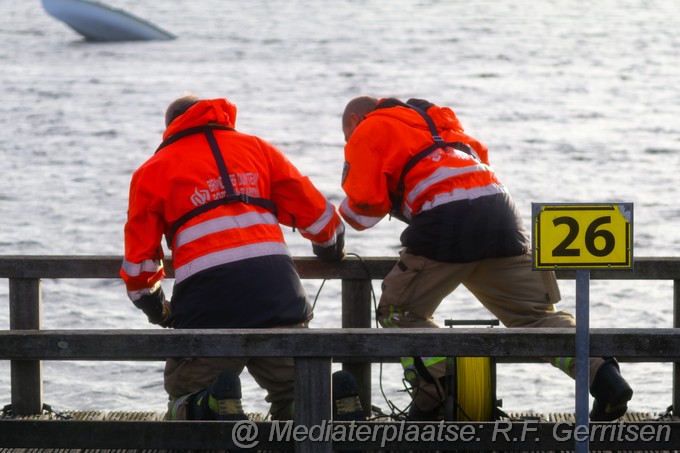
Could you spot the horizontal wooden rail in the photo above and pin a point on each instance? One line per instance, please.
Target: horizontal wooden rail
(645, 268)
(370, 344)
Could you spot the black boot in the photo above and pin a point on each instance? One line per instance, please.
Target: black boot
(220, 401)
(346, 403)
(611, 392)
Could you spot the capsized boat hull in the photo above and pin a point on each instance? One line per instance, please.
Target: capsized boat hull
(98, 22)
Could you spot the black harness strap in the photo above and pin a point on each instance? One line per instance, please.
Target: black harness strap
(231, 195)
(422, 370)
(191, 131)
(398, 198)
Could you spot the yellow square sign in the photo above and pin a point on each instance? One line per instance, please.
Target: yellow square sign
(582, 235)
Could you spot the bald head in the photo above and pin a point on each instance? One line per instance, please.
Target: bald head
(355, 112)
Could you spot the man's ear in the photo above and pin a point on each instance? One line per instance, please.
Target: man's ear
(353, 118)
(356, 119)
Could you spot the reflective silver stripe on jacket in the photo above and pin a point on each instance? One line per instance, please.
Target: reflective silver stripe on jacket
(229, 256)
(136, 269)
(333, 239)
(457, 195)
(139, 293)
(441, 174)
(318, 226)
(224, 223)
(363, 220)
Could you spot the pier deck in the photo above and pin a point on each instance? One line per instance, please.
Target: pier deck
(534, 420)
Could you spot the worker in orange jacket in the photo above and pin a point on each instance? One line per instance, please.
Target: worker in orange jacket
(414, 162)
(218, 196)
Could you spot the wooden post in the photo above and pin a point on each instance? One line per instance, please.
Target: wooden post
(356, 313)
(313, 405)
(25, 301)
(676, 365)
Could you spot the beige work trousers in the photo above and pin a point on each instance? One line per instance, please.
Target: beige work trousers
(276, 375)
(507, 287)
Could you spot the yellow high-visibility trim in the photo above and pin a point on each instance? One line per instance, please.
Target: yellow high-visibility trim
(388, 321)
(408, 362)
(563, 363)
(429, 361)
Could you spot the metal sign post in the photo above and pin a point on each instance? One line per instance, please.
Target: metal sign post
(582, 236)
(582, 354)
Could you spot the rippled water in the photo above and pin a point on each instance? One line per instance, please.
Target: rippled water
(577, 103)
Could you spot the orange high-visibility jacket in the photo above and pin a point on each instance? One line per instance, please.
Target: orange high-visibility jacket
(434, 177)
(382, 145)
(184, 175)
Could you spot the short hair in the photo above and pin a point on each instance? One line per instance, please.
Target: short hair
(360, 105)
(178, 107)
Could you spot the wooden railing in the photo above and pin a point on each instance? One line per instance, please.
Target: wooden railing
(26, 346)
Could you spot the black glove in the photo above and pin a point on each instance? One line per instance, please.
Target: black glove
(332, 253)
(155, 307)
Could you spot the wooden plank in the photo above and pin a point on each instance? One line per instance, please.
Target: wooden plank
(25, 304)
(60, 266)
(128, 434)
(109, 267)
(503, 435)
(374, 344)
(356, 313)
(675, 385)
(313, 405)
(644, 268)
(87, 266)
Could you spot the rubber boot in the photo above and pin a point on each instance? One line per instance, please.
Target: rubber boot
(611, 392)
(346, 403)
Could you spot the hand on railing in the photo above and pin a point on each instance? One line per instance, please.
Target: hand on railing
(333, 253)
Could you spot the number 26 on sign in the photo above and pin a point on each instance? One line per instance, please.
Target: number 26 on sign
(582, 235)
